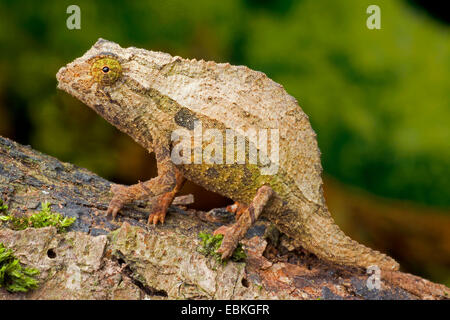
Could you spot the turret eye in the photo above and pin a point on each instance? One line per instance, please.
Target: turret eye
(106, 70)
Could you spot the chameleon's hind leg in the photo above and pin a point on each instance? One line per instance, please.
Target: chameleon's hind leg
(237, 208)
(235, 232)
(162, 202)
(165, 182)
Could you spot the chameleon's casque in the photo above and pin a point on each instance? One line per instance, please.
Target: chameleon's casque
(149, 95)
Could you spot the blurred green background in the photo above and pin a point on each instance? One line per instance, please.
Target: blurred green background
(379, 100)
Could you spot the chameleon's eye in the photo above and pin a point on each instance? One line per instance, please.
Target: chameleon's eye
(106, 70)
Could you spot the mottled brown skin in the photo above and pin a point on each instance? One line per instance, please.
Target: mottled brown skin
(148, 95)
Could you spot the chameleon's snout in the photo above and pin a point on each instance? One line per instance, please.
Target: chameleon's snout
(67, 82)
(62, 72)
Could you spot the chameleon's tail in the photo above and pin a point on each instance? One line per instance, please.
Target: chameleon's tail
(321, 236)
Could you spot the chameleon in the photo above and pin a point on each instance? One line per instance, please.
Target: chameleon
(149, 95)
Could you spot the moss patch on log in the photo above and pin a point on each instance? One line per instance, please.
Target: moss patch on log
(210, 244)
(44, 218)
(13, 277)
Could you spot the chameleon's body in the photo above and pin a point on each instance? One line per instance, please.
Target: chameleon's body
(149, 95)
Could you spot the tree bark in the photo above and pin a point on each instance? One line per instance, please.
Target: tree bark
(101, 259)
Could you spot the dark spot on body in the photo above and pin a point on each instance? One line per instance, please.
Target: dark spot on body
(185, 118)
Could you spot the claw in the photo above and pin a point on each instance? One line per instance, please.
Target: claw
(156, 217)
(118, 200)
(113, 209)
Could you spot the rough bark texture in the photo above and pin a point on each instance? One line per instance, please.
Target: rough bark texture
(101, 259)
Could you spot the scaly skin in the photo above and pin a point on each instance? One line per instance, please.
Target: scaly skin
(148, 95)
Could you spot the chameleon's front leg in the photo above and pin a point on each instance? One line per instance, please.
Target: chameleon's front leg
(232, 234)
(164, 183)
(161, 203)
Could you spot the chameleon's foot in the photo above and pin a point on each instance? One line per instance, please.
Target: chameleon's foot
(120, 198)
(156, 217)
(160, 208)
(155, 189)
(234, 233)
(162, 202)
(231, 236)
(237, 208)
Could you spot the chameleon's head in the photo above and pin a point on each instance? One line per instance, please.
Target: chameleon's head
(113, 81)
(94, 76)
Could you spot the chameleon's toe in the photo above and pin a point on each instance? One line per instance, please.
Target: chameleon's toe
(160, 207)
(113, 209)
(119, 199)
(229, 242)
(156, 217)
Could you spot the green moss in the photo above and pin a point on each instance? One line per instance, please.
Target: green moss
(41, 219)
(210, 244)
(13, 277)
(3, 207)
